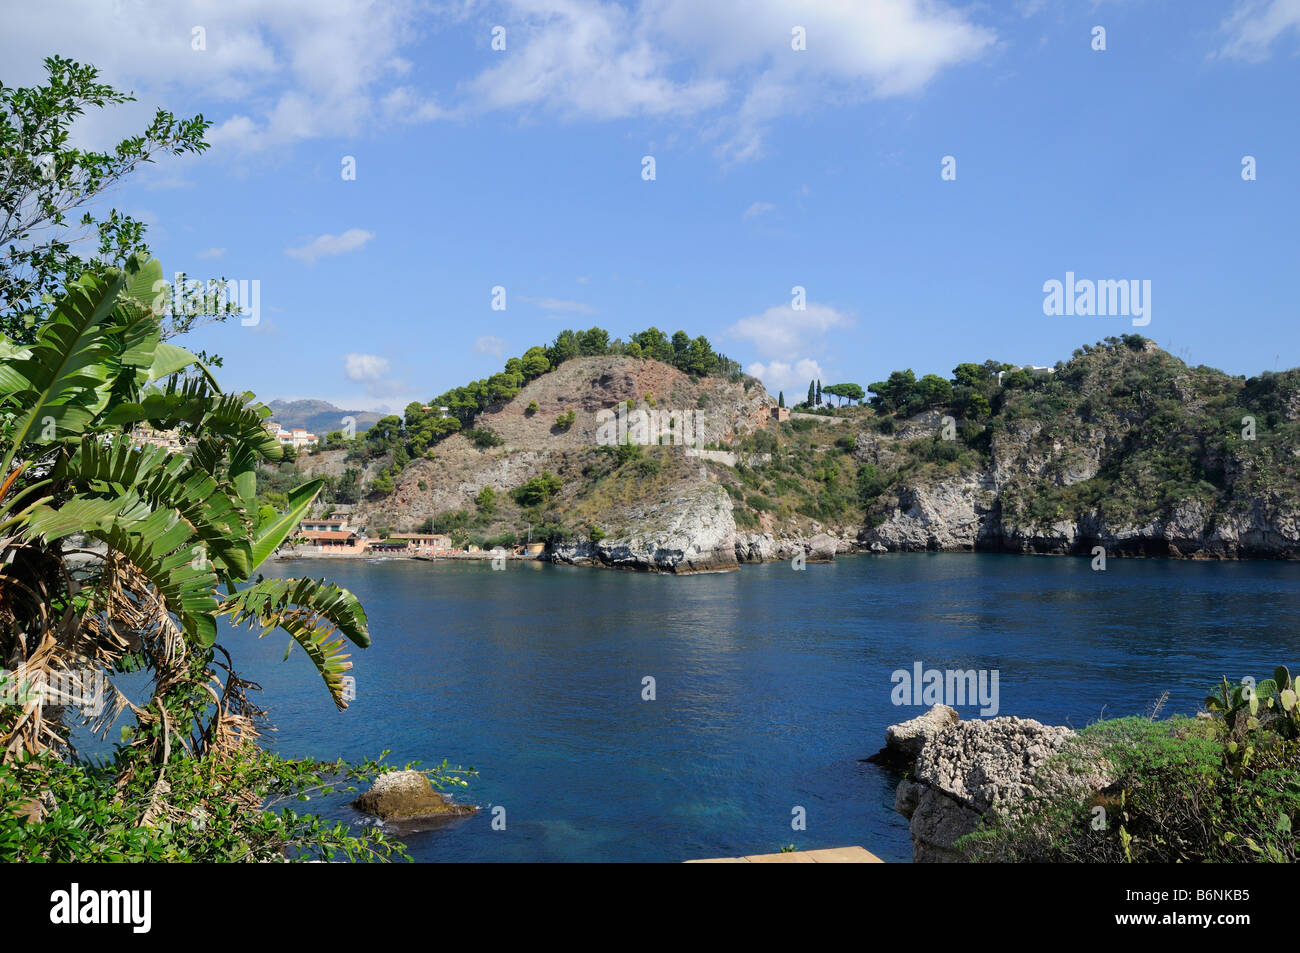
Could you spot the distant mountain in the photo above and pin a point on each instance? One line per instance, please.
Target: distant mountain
(318, 416)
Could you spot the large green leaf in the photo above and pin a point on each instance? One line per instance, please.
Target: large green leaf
(275, 530)
(311, 612)
(166, 480)
(169, 359)
(159, 543)
(63, 381)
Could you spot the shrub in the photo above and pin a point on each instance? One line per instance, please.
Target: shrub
(1186, 790)
(537, 490)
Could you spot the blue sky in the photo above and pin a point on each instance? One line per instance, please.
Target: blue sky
(775, 168)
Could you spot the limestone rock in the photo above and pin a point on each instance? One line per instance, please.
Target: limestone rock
(963, 770)
(908, 738)
(408, 796)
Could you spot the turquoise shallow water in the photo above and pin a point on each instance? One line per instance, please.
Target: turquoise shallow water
(771, 685)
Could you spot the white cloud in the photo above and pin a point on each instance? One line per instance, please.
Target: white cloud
(292, 69)
(561, 307)
(595, 59)
(365, 367)
(582, 58)
(1255, 26)
(758, 209)
(782, 332)
(407, 104)
(273, 74)
(325, 245)
(211, 253)
(487, 344)
(782, 376)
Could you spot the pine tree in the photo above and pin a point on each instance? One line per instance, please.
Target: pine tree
(780, 398)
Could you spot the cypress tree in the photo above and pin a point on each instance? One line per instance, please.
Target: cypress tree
(819, 393)
(780, 398)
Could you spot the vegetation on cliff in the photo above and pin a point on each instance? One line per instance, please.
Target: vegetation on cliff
(1122, 434)
(1223, 788)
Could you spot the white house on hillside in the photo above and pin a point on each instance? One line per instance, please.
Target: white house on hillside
(1033, 370)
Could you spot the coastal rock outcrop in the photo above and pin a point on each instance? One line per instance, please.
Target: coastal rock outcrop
(1123, 447)
(962, 770)
(692, 532)
(905, 740)
(407, 796)
(956, 514)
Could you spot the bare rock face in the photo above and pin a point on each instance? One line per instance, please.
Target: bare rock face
(963, 770)
(822, 547)
(985, 764)
(692, 532)
(757, 548)
(908, 738)
(952, 515)
(408, 796)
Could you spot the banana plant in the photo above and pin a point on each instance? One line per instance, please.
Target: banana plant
(179, 535)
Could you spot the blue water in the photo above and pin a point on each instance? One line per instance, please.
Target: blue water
(771, 685)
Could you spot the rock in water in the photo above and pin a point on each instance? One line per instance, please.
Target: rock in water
(408, 796)
(963, 770)
(903, 742)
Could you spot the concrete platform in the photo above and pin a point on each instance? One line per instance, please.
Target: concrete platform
(830, 855)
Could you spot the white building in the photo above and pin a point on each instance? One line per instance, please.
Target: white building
(1033, 370)
(296, 437)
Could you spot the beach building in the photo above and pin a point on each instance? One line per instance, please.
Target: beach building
(331, 525)
(340, 542)
(423, 542)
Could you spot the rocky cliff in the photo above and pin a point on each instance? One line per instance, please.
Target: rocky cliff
(1123, 447)
(660, 508)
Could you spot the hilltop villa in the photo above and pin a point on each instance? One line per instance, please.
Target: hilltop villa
(296, 437)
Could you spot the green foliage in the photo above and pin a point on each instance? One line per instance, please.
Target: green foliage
(538, 490)
(850, 392)
(565, 420)
(48, 180)
(450, 521)
(183, 535)
(1185, 790)
(623, 452)
(894, 394)
(219, 810)
(870, 483)
(484, 437)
